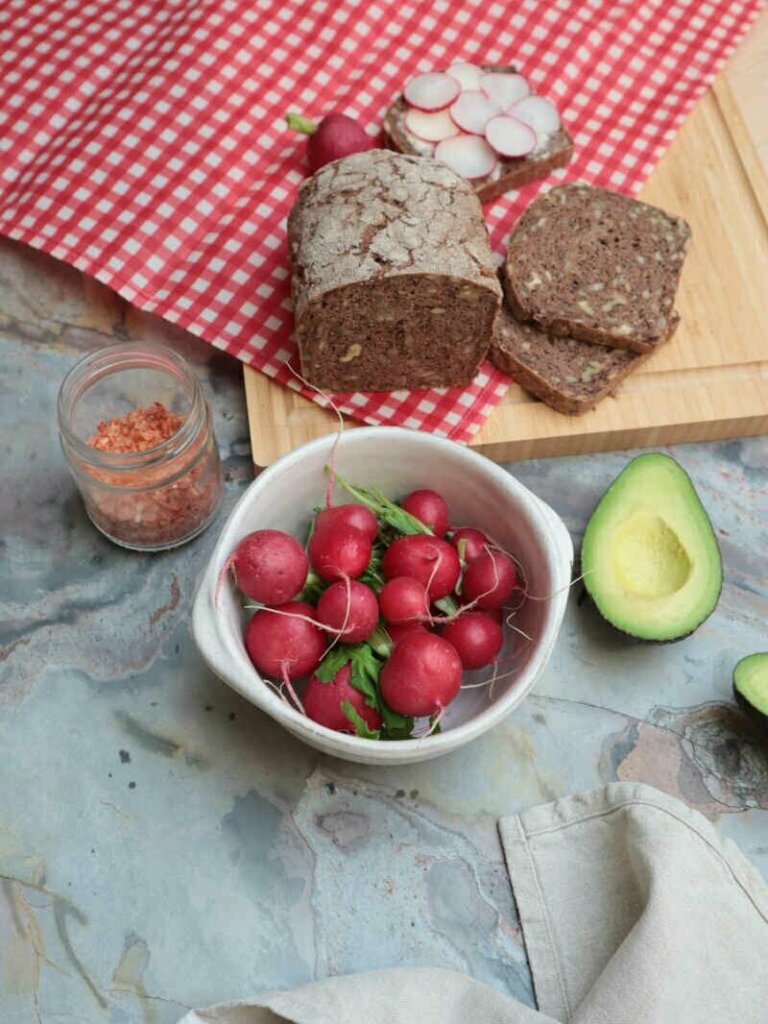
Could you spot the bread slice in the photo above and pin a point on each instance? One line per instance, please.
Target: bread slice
(554, 151)
(569, 375)
(596, 265)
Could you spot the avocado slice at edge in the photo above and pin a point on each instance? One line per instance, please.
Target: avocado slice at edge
(750, 687)
(673, 562)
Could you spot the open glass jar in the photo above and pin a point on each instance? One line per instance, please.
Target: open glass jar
(138, 435)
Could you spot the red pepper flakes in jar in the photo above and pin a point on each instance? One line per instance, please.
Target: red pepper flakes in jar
(150, 476)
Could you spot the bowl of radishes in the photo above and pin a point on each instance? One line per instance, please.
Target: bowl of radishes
(392, 608)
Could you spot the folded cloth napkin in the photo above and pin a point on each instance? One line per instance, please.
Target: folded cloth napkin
(633, 910)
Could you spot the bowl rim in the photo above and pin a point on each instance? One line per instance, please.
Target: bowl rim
(208, 625)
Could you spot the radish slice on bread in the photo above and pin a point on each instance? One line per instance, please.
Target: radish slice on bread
(503, 89)
(538, 112)
(430, 127)
(468, 155)
(472, 111)
(432, 91)
(510, 137)
(467, 75)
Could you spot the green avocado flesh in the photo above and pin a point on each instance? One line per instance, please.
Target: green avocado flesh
(750, 684)
(650, 558)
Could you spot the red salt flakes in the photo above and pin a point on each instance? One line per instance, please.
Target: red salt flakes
(141, 428)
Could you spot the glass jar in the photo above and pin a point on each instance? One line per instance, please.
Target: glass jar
(164, 491)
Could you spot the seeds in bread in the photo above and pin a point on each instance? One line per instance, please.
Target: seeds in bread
(393, 279)
(596, 265)
(569, 375)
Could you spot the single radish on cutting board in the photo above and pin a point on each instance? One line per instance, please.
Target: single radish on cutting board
(334, 137)
(432, 91)
(468, 155)
(510, 137)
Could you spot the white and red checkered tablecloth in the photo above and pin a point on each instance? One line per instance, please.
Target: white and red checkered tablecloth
(143, 141)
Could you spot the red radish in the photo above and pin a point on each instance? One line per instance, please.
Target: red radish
(510, 137)
(467, 75)
(432, 91)
(282, 644)
(429, 507)
(504, 90)
(538, 112)
(338, 551)
(489, 580)
(322, 703)
(356, 606)
(334, 137)
(403, 600)
(430, 560)
(349, 515)
(269, 566)
(430, 127)
(472, 111)
(421, 676)
(474, 540)
(396, 632)
(467, 155)
(476, 637)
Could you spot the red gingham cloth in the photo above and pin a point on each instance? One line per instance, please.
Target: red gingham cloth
(143, 141)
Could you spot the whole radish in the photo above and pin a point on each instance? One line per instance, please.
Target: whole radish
(338, 551)
(430, 508)
(403, 600)
(396, 631)
(282, 644)
(489, 580)
(350, 609)
(349, 515)
(421, 676)
(474, 542)
(269, 566)
(322, 703)
(430, 560)
(476, 637)
(334, 137)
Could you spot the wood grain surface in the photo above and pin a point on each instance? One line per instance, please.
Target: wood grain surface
(711, 381)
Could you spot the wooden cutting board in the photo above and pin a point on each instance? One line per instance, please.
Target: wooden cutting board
(711, 381)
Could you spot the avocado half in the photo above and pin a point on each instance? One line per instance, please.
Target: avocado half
(650, 558)
(750, 687)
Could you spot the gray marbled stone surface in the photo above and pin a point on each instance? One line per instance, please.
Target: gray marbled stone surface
(164, 845)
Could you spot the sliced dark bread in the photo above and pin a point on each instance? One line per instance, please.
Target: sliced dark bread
(569, 375)
(596, 265)
(554, 150)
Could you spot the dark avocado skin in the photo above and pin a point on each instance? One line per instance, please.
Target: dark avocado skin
(627, 632)
(758, 717)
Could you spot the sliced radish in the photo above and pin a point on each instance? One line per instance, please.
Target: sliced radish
(538, 112)
(467, 155)
(433, 91)
(504, 90)
(510, 137)
(472, 111)
(467, 75)
(430, 127)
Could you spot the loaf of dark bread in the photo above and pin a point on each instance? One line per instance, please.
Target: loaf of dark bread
(393, 280)
(596, 265)
(555, 151)
(569, 375)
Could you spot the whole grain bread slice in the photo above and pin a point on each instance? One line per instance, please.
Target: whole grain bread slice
(596, 265)
(569, 375)
(554, 151)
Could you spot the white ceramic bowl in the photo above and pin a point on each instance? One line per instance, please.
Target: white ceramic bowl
(479, 493)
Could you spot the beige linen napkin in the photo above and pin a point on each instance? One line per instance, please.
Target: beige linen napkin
(633, 910)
